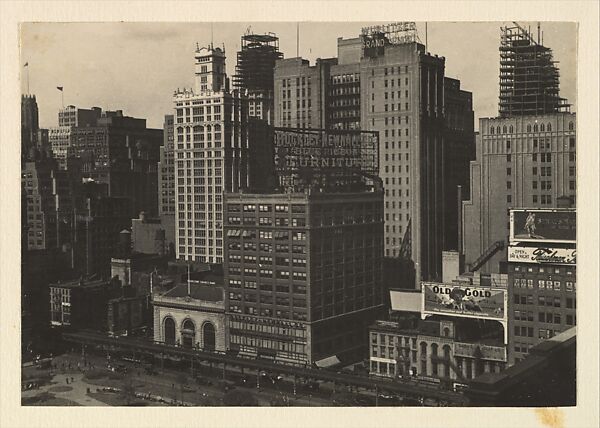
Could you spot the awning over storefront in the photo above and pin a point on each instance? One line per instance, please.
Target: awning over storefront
(328, 362)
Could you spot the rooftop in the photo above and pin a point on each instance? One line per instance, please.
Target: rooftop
(197, 292)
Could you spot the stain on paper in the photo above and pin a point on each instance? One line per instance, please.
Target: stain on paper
(552, 418)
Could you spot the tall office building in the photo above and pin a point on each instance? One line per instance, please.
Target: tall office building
(542, 277)
(50, 198)
(29, 124)
(303, 274)
(211, 148)
(459, 151)
(254, 73)
(166, 171)
(385, 81)
(121, 152)
(60, 136)
(525, 158)
(303, 265)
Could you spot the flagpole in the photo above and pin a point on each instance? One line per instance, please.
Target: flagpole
(27, 78)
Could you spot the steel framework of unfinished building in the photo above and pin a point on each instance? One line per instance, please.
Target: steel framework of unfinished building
(256, 62)
(529, 77)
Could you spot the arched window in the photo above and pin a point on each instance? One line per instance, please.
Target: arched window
(549, 127)
(208, 333)
(446, 332)
(570, 126)
(434, 349)
(542, 127)
(535, 128)
(492, 130)
(446, 351)
(217, 128)
(188, 334)
(497, 129)
(423, 349)
(528, 128)
(504, 129)
(510, 129)
(169, 331)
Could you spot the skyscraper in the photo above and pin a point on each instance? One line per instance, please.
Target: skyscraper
(526, 158)
(211, 148)
(166, 171)
(60, 136)
(29, 124)
(121, 152)
(529, 77)
(385, 81)
(254, 73)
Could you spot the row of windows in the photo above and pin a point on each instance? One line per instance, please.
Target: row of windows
(542, 128)
(544, 284)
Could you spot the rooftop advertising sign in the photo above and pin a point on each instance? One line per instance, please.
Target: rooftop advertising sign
(543, 225)
(464, 301)
(325, 150)
(544, 255)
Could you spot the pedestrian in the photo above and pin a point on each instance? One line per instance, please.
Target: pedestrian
(72, 379)
(67, 381)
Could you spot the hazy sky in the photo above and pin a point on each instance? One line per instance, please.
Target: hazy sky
(137, 66)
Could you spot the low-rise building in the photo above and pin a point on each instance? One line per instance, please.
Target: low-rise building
(436, 349)
(81, 304)
(191, 315)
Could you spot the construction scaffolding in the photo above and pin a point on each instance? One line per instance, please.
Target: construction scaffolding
(529, 77)
(256, 62)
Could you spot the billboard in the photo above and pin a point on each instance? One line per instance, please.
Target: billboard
(312, 154)
(543, 225)
(540, 254)
(464, 301)
(474, 350)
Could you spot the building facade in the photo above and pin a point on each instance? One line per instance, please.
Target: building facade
(60, 136)
(211, 150)
(81, 304)
(522, 161)
(542, 278)
(166, 171)
(51, 197)
(432, 351)
(422, 117)
(121, 152)
(191, 316)
(303, 274)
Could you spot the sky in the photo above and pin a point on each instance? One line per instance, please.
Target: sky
(135, 67)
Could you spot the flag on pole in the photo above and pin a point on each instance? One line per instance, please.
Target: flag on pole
(60, 88)
(26, 64)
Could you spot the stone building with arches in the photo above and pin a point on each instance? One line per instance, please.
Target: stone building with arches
(191, 317)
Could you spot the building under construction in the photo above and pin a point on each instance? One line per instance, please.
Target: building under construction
(529, 77)
(254, 72)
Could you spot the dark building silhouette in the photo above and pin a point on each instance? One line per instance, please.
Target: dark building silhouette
(121, 152)
(254, 73)
(29, 124)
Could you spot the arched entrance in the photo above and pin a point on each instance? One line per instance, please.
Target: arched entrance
(188, 334)
(169, 331)
(208, 332)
